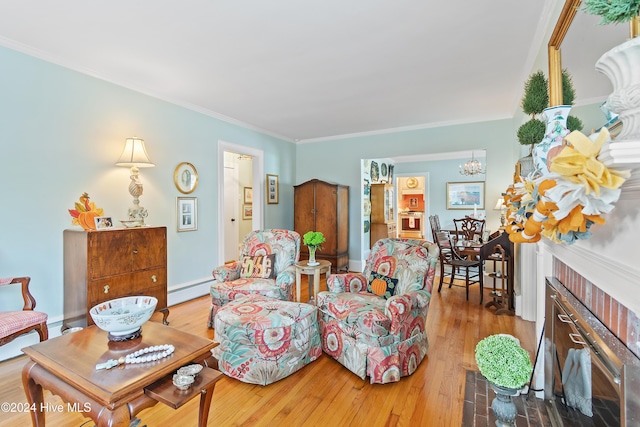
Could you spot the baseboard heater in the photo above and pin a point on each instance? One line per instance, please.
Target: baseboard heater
(591, 377)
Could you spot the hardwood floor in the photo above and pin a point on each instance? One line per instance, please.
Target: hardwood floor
(324, 392)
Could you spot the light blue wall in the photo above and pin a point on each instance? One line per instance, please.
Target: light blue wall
(441, 172)
(61, 133)
(339, 160)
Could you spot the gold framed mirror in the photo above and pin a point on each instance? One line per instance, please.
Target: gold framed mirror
(566, 18)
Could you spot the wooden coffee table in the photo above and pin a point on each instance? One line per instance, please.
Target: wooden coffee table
(66, 366)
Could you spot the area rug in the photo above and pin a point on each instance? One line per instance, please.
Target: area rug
(477, 405)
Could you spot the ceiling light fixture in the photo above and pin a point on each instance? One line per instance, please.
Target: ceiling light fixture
(471, 167)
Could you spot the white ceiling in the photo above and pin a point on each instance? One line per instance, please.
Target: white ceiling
(308, 70)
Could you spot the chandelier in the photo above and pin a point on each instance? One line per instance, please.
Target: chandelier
(471, 167)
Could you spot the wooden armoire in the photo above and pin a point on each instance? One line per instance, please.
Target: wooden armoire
(324, 206)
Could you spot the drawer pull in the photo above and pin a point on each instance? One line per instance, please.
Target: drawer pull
(154, 278)
(106, 289)
(135, 252)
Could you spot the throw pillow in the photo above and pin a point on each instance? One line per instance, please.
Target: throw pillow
(382, 286)
(259, 267)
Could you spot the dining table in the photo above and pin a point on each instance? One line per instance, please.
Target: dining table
(467, 248)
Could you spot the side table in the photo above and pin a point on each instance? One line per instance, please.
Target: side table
(314, 272)
(66, 366)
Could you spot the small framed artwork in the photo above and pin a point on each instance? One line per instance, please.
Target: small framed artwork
(247, 211)
(187, 213)
(413, 203)
(248, 194)
(465, 195)
(272, 189)
(185, 177)
(103, 222)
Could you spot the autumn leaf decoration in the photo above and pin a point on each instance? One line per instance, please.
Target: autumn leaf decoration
(85, 212)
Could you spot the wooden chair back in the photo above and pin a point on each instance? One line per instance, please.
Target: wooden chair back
(469, 228)
(19, 322)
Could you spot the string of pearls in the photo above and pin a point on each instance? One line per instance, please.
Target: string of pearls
(149, 354)
(152, 354)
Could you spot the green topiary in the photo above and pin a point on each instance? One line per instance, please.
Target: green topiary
(568, 93)
(531, 132)
(574, 123)
(613, 11)
(502, 361)
(536, 94)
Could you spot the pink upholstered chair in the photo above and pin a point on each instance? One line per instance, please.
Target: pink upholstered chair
(374, 323)
(16, 323)
(229, 285)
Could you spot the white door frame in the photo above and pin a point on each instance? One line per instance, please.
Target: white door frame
(257, 223)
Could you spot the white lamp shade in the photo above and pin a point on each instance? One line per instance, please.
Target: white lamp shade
(499, 204)
(134, 154)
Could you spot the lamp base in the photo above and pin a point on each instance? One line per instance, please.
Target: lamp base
(138, 214)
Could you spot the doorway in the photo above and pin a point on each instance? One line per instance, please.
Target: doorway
(413, 206)
(240, 195)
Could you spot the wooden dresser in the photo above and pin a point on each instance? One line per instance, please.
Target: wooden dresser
(105, 265)
(324, 206)
(383, 224)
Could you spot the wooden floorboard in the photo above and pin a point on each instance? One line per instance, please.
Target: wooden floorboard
(324, 393)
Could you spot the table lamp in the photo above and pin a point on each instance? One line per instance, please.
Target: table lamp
(135, 156)
(500, 207)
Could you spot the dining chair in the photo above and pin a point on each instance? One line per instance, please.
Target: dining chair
(434, 221)
(468, 228)
(468, 270)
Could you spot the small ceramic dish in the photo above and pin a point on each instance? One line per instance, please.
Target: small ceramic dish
(192, 370)
(130, 223)
(182, 382)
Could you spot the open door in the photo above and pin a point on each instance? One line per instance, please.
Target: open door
(229, 193)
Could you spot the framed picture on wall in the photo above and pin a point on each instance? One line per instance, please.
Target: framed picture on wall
(187, 213)
(272, 189)
(247, 211)
(465, 195)
(248, 194)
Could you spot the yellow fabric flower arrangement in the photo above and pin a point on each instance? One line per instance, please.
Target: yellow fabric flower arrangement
(574, 196)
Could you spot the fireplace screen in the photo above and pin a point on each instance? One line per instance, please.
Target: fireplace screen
(590, 376)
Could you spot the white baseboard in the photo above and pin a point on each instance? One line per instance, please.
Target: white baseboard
(356, 265)
(188, 291)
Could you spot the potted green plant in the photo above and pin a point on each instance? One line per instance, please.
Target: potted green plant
(535, 102)
(507, 367)
(613, 11)
(313, 240)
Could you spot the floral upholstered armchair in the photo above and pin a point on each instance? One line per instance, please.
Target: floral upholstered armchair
(374, 323)
(266, 266)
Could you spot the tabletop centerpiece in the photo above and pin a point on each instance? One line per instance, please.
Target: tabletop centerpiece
(507, 367)
(313, 240)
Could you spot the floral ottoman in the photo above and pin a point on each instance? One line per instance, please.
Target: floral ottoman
(263, 340)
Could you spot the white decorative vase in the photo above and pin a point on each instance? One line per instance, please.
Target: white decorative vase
(622, 66)
(556, 119)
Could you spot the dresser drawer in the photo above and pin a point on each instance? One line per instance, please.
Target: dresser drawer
(128, 284)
